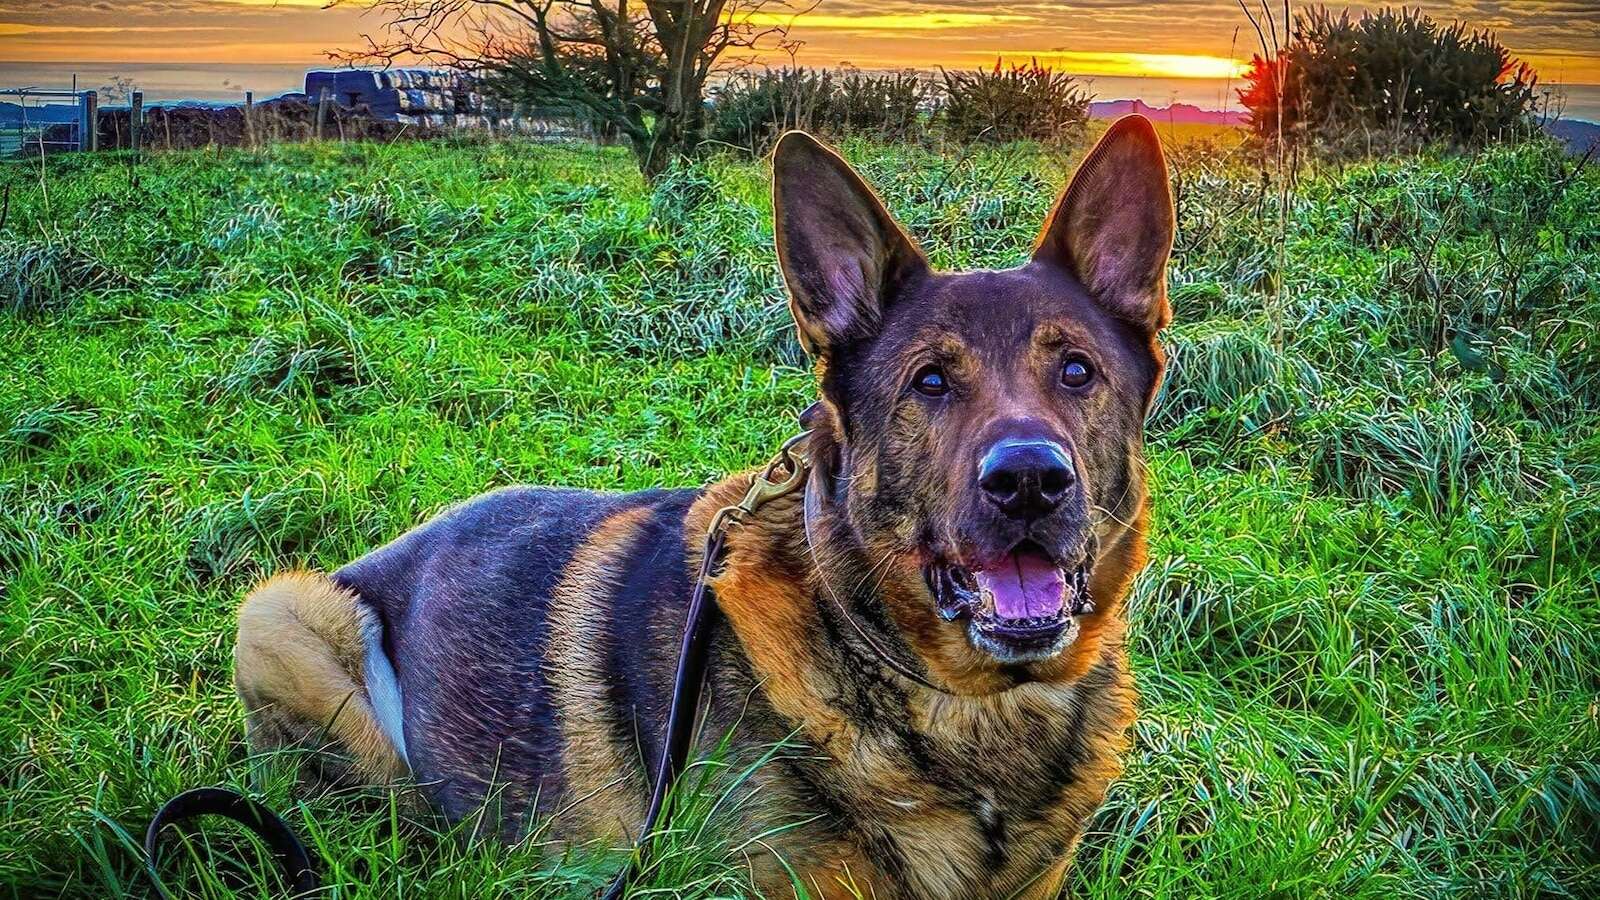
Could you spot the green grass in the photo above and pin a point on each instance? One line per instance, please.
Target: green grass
(1368, 641)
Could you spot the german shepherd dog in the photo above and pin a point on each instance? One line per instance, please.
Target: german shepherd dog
(975, 512)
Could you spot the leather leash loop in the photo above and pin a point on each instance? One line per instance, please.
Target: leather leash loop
(213, 801)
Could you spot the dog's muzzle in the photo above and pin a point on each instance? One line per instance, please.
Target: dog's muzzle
(1020, 608)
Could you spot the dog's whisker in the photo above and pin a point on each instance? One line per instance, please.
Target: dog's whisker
(884, 575)
(869, 573)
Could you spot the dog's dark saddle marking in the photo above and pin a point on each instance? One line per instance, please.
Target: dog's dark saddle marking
(464, 602)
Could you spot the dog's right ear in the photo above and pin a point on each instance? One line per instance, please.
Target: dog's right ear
(843, 256)
(1113, 226)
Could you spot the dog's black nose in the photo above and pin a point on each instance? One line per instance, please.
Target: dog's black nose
(1026, 478)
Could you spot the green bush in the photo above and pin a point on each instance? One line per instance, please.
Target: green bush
(1018, 103)
(47, 276)
(1389, 77)
(996, 105)
(753, 108)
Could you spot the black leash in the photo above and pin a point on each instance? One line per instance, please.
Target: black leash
(291, 854)
(693, 656)
(687, 686)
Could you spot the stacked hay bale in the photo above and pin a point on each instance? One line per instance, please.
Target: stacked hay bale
(423, 97)
(441, 100)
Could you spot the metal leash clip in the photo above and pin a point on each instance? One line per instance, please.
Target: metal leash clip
(784, 475)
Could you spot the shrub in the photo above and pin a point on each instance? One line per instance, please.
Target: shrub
(38, 429)
(753, 108)
(39, 277)
(1394, 76)
(1031, 102)
(314, 353)
(1434, 451)
(257, 221)
(374, 209)
(1225, 380)
(888, 107)
(254, 531)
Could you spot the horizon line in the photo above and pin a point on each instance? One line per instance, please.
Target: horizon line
(890, 68)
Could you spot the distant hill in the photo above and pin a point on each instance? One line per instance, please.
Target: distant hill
(1179, 113)
(1577, 134)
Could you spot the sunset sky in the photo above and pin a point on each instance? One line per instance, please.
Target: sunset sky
(1170, 38)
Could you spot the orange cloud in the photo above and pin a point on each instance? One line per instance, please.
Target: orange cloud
(1139, 38)
(923, 21)
(13, 29)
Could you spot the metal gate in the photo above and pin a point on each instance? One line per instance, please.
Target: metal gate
(34, 120)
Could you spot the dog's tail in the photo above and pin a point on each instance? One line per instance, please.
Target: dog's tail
(310, 667)
(311, 670)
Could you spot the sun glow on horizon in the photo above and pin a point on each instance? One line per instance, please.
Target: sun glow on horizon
(1128, 65)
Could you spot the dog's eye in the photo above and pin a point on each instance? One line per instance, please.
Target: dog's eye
(930, 382)
(1076, 372)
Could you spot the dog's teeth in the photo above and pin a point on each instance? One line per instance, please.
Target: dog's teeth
(965, 579)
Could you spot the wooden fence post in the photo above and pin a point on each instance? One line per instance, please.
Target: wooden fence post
(322, 111)
(249, 119)
(89, 131)
(136, 121)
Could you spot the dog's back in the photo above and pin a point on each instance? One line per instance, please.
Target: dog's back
(517, 648)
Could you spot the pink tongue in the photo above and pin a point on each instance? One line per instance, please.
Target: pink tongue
(1024, 586)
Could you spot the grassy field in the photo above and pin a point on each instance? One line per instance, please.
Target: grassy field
(1368, 641)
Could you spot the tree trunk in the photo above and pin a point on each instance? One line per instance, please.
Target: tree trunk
(679, 127)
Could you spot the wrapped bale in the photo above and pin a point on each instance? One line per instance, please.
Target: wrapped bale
(349, 87)
(386, 105)
(359, 83)
(429, 97)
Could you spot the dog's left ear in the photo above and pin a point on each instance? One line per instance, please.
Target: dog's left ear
(843, 256)
(1114, 223)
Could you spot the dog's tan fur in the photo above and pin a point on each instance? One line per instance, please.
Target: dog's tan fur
(771, 612)
(298, 669)
(605, 789)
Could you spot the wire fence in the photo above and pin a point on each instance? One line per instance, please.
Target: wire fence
(337, 105)
(48, 120)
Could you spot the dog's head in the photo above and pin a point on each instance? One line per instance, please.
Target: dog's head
(983, 430)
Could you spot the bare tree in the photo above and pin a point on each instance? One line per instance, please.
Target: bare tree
(119, 90)
(636, 72)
